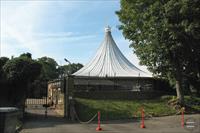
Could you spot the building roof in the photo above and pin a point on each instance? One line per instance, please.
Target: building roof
(110, 62)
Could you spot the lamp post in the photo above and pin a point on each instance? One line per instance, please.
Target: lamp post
(46, 88)
(67, 97)
(69, 66)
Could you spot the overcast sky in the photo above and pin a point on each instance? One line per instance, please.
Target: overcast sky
(60, 29)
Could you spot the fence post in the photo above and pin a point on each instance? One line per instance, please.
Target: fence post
(182, 116)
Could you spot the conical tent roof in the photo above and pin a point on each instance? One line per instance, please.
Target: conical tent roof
(110, 62)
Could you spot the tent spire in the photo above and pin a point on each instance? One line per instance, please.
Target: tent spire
(108, 29)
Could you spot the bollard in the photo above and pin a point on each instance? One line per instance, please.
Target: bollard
(142, 115)
(182, 116)
(99, 127)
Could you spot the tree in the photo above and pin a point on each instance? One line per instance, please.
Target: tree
(26, 55)
(20, 73)
(49, 70)
(165, 35)
(70, 68)
(3, 61)
(21, 70)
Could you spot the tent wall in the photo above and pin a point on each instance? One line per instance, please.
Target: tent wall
(119, 88)
(106, 84)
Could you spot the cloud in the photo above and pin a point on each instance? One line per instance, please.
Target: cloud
(54, 35)
(57, 29)
(19, 20)
(22, 23)
(66, 36)
(17, 24)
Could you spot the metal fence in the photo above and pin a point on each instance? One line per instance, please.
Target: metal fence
(34, 101)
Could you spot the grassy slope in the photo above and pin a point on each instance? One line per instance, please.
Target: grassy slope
(117, 109)
(193, 102)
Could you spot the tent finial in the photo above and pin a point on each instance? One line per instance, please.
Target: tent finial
(108, 29)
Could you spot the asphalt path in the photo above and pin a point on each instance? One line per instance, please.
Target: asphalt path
(167, 124)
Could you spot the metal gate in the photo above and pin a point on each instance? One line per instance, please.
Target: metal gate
(36, 107)
(55, 103)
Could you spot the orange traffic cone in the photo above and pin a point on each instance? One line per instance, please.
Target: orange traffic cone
(142, 115)
(99, 127)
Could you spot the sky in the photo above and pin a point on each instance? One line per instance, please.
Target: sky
(59, 29)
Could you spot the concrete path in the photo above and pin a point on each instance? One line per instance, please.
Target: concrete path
(168, 124)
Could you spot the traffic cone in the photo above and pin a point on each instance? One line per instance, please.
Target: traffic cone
(99, 127)
(142, 122)
(182, 117)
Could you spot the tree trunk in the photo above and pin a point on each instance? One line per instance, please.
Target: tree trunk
(179, 92)
(178, 77)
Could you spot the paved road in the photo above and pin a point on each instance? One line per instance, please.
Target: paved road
(169, 124)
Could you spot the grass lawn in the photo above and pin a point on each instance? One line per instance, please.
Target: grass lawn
(126, 109)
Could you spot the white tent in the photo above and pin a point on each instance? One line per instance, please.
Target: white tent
(110, 62)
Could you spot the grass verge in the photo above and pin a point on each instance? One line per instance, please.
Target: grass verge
(126, 109)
